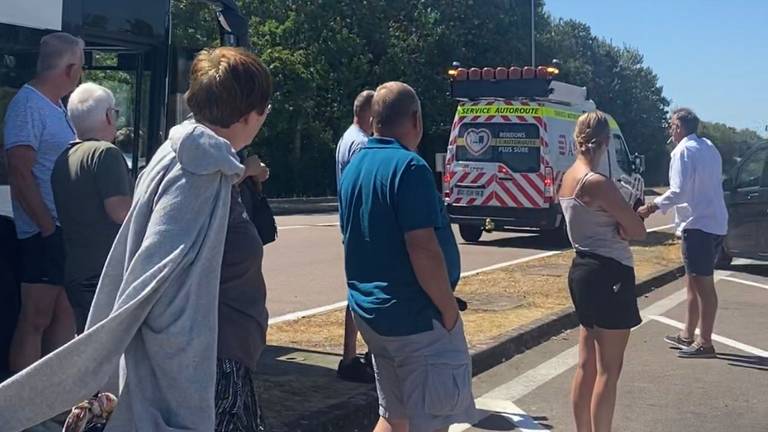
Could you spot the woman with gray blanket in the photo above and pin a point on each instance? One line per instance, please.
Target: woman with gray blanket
(155, 313)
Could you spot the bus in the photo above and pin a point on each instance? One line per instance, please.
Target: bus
(128, 50)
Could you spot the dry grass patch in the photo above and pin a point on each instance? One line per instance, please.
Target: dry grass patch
(499, 300)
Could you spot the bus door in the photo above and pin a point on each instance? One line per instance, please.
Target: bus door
(125, 73)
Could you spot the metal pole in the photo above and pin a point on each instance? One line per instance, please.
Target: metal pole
(533, 33)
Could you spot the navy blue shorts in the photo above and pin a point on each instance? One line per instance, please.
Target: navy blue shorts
(700, 251)
(42, 259)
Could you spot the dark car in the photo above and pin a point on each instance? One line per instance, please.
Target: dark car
(746, 196)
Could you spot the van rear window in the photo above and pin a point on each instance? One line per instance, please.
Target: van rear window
(516, 145)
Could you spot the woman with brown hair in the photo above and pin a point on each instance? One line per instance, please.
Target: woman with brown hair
(602, 278)
(155, 309)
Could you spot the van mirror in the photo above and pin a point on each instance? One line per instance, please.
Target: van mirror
(638, 163)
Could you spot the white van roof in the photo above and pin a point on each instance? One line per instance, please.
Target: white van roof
(571, 94)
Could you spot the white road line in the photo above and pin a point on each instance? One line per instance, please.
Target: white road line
(321, 225)
(301, 314)
(541, 374)
(661, 228)
(745, 282)
(722, 339)
(321, 309)
(509, 263)
(522, 421)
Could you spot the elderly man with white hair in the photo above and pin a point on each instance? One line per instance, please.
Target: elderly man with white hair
(92, 190)
(37, 130)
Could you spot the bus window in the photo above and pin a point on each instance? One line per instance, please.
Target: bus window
(123, 74)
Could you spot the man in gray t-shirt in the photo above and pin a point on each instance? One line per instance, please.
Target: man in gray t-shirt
(351, 367)
(37, 130)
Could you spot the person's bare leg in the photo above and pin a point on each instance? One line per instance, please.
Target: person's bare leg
(708, 302)
(350, 337)
(62, 327)
(610, 346)
(391, 425)
(37, 307)
(692, 317)
(584, 382)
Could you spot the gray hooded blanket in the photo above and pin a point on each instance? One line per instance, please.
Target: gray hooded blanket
(155, 310)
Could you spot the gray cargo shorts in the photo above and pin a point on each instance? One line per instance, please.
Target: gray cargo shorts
(425, 378)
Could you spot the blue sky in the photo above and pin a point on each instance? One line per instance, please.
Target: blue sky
(711, 56)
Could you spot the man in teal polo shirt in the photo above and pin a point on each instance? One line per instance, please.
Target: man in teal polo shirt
(402, 265)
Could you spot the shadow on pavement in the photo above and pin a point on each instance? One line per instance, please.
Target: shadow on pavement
(752, 269)
(298, 389)
(745, 361)
(493, 421)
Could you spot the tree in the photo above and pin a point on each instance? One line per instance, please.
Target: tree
(731, 142)
(619, 83)
(323, 52)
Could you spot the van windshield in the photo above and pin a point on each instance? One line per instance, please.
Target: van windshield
(516, 145)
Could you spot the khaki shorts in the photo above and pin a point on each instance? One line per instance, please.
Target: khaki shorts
(425, 378)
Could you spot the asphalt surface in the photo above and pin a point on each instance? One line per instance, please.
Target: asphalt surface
(657, 391)
(304, 268)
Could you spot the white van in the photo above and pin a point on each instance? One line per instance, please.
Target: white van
(510, 144)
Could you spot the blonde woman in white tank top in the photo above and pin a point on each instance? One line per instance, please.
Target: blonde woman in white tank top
(602, 279)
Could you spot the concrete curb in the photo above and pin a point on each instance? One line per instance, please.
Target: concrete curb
(360, 412)
(294, 206)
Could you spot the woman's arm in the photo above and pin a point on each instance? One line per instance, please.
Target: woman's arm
(254, 167)
(604, 192)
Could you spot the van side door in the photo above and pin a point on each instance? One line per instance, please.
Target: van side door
(748, 207)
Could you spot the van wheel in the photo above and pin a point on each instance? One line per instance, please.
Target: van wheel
(723, 260)
(470, 233)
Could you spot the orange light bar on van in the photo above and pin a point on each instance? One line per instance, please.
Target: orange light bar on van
(553, 71)
(529, 72)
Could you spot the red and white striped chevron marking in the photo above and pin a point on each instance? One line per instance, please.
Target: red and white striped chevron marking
(515, 189)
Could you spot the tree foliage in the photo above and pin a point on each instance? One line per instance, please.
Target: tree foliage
(733, 143)
(323, 52)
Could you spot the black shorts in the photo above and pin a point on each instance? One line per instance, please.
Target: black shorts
(700, 251)
(80, 296)
(603, 292)
(42, 259)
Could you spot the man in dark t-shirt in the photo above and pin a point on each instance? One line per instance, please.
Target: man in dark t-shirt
(92, 192)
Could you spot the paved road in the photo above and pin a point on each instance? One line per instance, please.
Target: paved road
(304, 268)
(657, 392)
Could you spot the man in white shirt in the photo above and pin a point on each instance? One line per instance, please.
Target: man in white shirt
(351, 367)
(695, 182)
